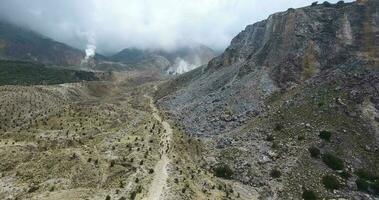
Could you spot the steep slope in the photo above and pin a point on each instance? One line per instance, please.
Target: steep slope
(292, 105)
(21, 44)
(177, 61)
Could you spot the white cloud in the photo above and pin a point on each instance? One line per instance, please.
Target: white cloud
(117, 24)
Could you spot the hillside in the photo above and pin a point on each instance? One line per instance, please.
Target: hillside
(291, 106)
(21, 44)
(28, 73)
(175, 61)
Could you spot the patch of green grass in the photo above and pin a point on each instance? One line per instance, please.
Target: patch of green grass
(333, 161)
(331, 182)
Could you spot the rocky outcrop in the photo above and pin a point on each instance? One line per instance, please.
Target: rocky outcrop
(262, 104)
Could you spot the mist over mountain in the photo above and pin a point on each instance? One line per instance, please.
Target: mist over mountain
(165, 24)
(173, 62)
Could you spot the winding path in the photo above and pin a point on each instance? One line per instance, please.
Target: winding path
(158, 185)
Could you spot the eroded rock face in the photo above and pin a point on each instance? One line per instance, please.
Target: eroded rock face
(279, 83)
(279, 53)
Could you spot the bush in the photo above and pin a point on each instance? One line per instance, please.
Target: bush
(108, 197)
(275, 173)
(331, 182)
(315, 152)
(314, 3)
(325, 135)
(345, 174)
(367, 182)
(332, 161)
(223, 171)
(309, 195)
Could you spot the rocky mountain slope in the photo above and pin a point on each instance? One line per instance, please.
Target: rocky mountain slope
(291, 107)
(176, 61)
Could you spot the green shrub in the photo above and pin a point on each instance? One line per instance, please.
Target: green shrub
(223, 171)
(331, 182)
(345, 174)
(325, 135)
(275, 173)
(108, 197)
(367, 182)
(315, 152)
(309, 195)
(333, 162)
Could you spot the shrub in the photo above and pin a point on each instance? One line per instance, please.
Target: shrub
(331, 182)
(223, 171)
(345, 174)
(275, 173)
(314, 3)
(325, 135)
(309, 195)
(332, 161)
(108, 197)
(278, 127)
(315, 152)
(367, 182)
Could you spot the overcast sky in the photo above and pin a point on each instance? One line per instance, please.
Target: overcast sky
(112, 25)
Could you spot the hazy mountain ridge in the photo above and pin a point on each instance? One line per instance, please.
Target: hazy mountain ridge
(175, 61)
(279, 84)
(20, 44)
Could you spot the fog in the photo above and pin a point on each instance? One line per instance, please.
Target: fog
(111, 25)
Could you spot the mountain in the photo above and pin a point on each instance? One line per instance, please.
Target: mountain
(291, 106)
(20, 44)
(177, 61)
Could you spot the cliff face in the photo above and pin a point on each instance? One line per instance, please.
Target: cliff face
(262, 104)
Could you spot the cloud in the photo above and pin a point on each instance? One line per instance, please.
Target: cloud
(116, 24)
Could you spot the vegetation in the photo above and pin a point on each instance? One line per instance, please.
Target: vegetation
(309, 195)
(325, 135)
(367, 182)
(275, 173)
(333, 162)
(222, 170)
(27, 73)
(330, 182)
(315, 152)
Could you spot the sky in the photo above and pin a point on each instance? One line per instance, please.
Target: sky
(112, 25)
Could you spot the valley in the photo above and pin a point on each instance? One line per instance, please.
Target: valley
(97, 140)
(290, 110)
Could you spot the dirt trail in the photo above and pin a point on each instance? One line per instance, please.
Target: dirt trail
(158, 185)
